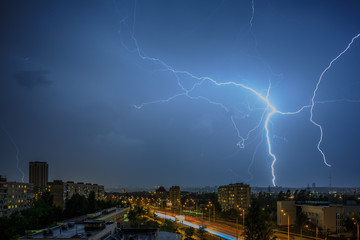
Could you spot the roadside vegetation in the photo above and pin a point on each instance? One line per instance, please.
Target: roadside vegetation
(44, 214)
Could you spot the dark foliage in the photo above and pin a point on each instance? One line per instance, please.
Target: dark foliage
(258, 224)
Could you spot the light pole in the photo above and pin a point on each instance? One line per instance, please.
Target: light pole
(287, 214)
(209, 206)
(236, 228)
(357, 228)
(243, 217)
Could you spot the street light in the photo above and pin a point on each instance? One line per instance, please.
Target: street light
(357, 227)
(287, 214)
(243, 217)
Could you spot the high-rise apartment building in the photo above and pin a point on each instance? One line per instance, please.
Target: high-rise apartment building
(14, 196)
(234, 196)
(174, 196)
(38, 174)
(38, 177)
(65, 190)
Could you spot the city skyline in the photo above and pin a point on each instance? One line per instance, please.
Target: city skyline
(145, 93)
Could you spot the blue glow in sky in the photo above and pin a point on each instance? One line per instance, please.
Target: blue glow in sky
(73, 72)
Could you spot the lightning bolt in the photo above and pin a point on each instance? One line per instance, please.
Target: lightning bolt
(17, 154)
(314, 95)
(269, 111)
(252, 13)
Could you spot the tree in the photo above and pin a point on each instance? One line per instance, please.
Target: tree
(281, 196)
(257, 224)
(75, 206)
(92, 202)
(296, 194)
(132, 216)
(169, 226)
(300, 220)
(350, 224)
(189, 232)
(288, 194)
(231, 214)
(201, 232)
(301, 196)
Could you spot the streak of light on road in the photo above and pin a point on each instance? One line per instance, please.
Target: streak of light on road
(197, 226)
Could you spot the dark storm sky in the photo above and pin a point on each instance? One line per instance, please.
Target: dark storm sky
(70, 75)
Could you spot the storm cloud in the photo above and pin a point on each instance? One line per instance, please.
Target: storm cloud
(71, 75)
(32, 79)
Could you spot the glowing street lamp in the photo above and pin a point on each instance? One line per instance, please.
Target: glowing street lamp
(287, 214)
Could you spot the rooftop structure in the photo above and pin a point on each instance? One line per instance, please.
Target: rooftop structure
(90, 229)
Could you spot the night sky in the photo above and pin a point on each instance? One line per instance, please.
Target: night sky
(72, 72)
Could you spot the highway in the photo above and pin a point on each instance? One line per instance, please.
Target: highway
(224, 230)
(196, 224)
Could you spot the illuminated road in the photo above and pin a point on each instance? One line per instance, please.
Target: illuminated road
(221, 230)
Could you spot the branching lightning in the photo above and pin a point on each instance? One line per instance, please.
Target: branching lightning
(314, 95)
(269, 111)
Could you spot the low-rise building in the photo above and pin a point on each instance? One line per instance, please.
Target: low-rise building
(90, 229)
(234, 196)
(326, 216)
(65, 190)
(286, 213)
(14, 196)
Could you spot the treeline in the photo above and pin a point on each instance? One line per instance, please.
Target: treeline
(44, 214)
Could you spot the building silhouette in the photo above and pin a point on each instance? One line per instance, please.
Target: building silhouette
(61, 191)
(38, 177)
(174, 196)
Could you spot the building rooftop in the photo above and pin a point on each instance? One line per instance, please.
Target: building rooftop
(83, 230)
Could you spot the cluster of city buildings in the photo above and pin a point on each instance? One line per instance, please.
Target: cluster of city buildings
(16, 196)
(230, 196)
